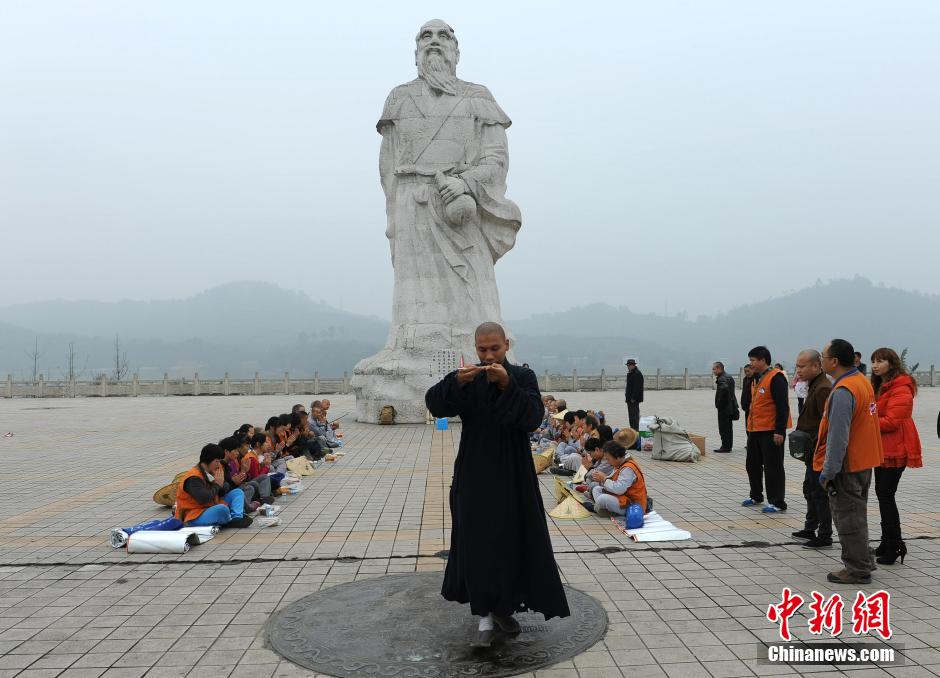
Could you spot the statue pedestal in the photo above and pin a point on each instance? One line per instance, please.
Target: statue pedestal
(415, 358)
(397, 377)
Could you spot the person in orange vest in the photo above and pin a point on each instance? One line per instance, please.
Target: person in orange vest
(768, 418)
(848, 448)
(203, 498)
(621, 487)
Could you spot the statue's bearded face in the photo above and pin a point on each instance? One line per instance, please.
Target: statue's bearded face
(436, 56)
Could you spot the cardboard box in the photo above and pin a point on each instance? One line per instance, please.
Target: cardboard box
(699, 442)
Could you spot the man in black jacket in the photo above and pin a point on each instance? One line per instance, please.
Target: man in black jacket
(818, 525)
(726, 404)
(633, 394)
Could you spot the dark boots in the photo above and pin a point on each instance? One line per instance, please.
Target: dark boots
(892, 546)
(893, 551)
(885, 539)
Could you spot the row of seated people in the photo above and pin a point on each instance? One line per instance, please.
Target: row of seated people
(235, 476)
(612, 478)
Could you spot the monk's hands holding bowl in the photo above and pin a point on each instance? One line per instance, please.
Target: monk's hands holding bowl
(497, 374)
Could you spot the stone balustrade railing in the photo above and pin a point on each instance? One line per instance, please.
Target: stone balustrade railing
(288, 385)
(194, 385)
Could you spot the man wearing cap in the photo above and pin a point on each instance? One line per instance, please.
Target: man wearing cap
(633, 394)
(726, 404)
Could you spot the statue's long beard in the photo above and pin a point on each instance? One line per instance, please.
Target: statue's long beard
(438, 72)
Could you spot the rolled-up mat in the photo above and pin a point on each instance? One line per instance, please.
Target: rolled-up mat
(119, 536)
(152, 541)
(200, 535)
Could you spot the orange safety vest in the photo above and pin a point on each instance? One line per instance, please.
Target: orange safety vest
(763, 413)
(864, 449)
(636, 493)
(187, 508)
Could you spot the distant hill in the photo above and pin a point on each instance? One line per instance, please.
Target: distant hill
(214, 315)
(239, 328)
(245, 327)
(867, 315)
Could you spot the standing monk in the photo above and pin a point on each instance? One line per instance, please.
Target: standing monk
(501, 559)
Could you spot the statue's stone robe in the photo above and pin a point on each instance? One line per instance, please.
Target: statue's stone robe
(444, 279)
(445, 283)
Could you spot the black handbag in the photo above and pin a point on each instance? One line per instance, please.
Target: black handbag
(802, 444)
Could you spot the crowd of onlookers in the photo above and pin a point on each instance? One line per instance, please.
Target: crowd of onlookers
(850, 431)
(250, 467)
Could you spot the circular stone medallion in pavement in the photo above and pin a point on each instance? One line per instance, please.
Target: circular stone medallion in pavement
(400, 626)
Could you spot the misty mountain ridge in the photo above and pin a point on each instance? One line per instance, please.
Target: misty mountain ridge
(868, 315)
(246, 326)
(212, 316)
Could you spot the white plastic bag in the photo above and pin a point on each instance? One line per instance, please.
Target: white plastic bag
(267, 521)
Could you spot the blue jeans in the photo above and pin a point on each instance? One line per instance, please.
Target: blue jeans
(214, 515)
(220, 514)
(236, 502)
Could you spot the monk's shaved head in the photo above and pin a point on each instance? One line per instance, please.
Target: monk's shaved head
(490, 328)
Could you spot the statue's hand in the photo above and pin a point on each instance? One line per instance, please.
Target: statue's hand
(451, 188)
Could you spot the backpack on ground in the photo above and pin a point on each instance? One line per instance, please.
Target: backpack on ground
(387, 415)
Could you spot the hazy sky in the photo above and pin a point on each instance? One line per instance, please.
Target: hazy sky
(691, 154)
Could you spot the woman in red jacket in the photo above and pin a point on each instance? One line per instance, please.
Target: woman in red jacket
(895, 390)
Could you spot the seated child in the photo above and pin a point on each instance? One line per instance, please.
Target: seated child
(257, 487)
(199, 498)
(257, 467)
(233, 475)
(617, 490)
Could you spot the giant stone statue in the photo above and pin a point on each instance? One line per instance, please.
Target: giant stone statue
(443, 165)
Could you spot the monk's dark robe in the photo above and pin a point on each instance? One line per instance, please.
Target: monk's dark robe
(501, 557)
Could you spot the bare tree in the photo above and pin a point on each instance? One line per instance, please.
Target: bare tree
(35, 355)
(120, 361)
(71, 373)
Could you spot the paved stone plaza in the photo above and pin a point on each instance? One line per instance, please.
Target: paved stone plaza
(73, 606)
